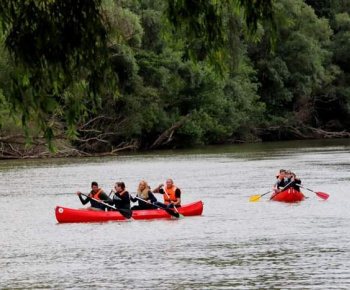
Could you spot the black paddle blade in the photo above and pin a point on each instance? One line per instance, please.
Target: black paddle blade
(172, 213)
(127, 213)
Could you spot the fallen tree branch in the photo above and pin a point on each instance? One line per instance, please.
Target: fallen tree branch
(328, 134)
(303, 131)
(93, 120)
(168, 133)
(128, 147)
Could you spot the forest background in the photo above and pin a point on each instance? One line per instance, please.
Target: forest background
(93, 78)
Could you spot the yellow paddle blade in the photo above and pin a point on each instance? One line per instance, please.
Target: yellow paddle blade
(254, 198)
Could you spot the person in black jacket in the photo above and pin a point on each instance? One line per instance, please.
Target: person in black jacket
(121, 197)
(292, 181)
(296, 181)
(98, 194)
(281, 181)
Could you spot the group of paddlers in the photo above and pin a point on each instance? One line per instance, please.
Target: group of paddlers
(121, 198)
(286, 179)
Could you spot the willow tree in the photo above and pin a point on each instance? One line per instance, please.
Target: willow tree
(58, 48)
(60, 51)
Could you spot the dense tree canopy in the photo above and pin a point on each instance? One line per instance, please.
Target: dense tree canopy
(142, 74)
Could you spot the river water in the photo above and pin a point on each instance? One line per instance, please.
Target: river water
(235, 244)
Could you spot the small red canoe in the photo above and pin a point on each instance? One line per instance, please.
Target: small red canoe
(289, 195)
(68, 215)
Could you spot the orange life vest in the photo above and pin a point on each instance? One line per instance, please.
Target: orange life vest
(96, 195)
(170, 193)
(280, 177)
(122, 192)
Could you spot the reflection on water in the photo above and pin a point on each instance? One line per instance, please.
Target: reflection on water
(235, 244)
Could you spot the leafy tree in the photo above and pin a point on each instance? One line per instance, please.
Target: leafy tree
(323, 8)
(333, 104)
(60, 48)
(297, 69)
(54, 44)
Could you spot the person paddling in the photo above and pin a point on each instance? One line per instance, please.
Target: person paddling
(171, 194)
(296, 181)
(144, 192)
(121, 197)
(281, 181)
(96, 193)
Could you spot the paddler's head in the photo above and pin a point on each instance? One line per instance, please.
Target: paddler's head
(288, 174)
(94, 186)
(120, 186)
(142, 185)
(282, 174)
(169, 183)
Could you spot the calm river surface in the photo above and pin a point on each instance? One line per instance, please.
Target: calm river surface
(235, 244)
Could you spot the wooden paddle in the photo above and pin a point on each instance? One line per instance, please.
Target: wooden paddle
(169, 211)
(320, 194)
(165, 192)
(127, 213)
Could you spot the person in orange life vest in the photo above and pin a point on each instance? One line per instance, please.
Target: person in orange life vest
(171, 194)
(121, 197)
(144, 192)
(281, 181)
(96, 193)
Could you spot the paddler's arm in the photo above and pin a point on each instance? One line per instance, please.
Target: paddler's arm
(159, 189)
(152, 198)
(83, 201)
(105, 198)
(178, 197)
(133, 199)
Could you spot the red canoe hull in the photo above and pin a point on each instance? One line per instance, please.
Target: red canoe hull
(68, 215)
(289, 195)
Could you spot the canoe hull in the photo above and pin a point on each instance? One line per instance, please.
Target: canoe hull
(69, 215)
(289, 195)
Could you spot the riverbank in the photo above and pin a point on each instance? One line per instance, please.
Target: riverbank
(16, 146)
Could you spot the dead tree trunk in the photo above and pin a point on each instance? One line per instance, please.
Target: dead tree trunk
(167, 136)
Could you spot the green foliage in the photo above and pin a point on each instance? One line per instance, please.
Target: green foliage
(322, 8)
(53, 44)
(297, 69)
(341, 42)
(124, 26)
(238, 67)
(203, 25)
(153, 38)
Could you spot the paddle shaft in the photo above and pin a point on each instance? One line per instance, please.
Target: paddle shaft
(147, 202)
(257, 197)
(156, 205)
(322, 195)
(165, 192)
(99, 201)
(265, 193)
(127, 213)
(282, 189)
(307, 188)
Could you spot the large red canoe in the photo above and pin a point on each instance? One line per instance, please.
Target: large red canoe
(289, 195)
(69, 215)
